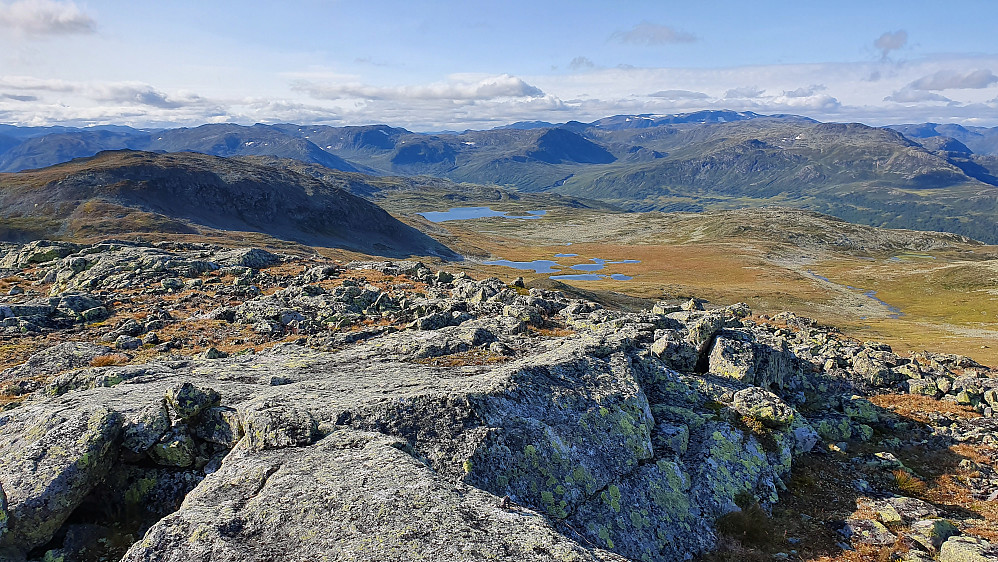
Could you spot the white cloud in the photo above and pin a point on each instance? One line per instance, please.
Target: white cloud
(36, 84)
(804, 92)
(891, 42)
(828, 92)
(912, 95)
(646, 33)
(679, 95)
(502, 86)
(808, 103)
(143, 94)
(45, 17)
(581, 63)
(744, 92)
(953, 80)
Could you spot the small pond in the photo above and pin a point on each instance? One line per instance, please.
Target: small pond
(466, 213)
(539, 266)
(559, 267)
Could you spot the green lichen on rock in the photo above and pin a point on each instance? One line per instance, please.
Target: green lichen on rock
(137, 492)
(219, 425)
(860, 410)
(279, 427)
(645, 515)
(967, 549)
(833, 427)
(176, 449)
(764, 406)
(188, 400)
(557, 444)
(146, 428)
(49, 462)
(417, 513)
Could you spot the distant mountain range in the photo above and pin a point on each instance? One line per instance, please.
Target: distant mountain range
(126, 191)
(926, 176)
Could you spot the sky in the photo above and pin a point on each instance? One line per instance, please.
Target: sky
(466, 64)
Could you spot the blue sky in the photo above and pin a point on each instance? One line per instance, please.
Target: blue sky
(466, 64)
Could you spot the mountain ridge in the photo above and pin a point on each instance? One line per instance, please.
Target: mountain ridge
(180, 192)
(691, 161)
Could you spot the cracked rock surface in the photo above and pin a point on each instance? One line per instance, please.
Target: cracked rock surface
(396, 413)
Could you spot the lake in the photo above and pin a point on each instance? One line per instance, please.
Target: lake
(551, 266)
(466, 213)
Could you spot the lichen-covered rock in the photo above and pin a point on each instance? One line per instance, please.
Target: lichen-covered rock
(279, 427)
(38, 251)
(404, 510)
(116, 265)
(127, 342)
(675, 351)
(176, 449)
(50, 461)
(764, 406)
(860, 409)
(172, 284)
(219, 425)
(967, 549)
(874, 370)
(253, 258)
(832, 427)
(866, 531)
(932, 533)
(925, 387)
(146, 429)
(901, 510)
(646, 515)
(146, 494)
(733, 359)
(569, 426)
(188, 400)
(627, 435)
(702, 330)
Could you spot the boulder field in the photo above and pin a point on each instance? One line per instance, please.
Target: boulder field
(397, 413)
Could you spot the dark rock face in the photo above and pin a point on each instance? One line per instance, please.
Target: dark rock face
(451, 431)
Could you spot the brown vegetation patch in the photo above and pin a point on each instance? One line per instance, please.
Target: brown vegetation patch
(551, 331)
(110, 359)
(908, 484)
(918, 407)
(16, 349)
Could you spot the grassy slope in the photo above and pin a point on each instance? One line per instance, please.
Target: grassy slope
(944, 285)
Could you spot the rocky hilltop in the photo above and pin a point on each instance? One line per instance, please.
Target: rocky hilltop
(190, 402)
(127, 191)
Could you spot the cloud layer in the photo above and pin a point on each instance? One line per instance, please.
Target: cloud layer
(953, 80)
(492, 87)
(45, 17)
